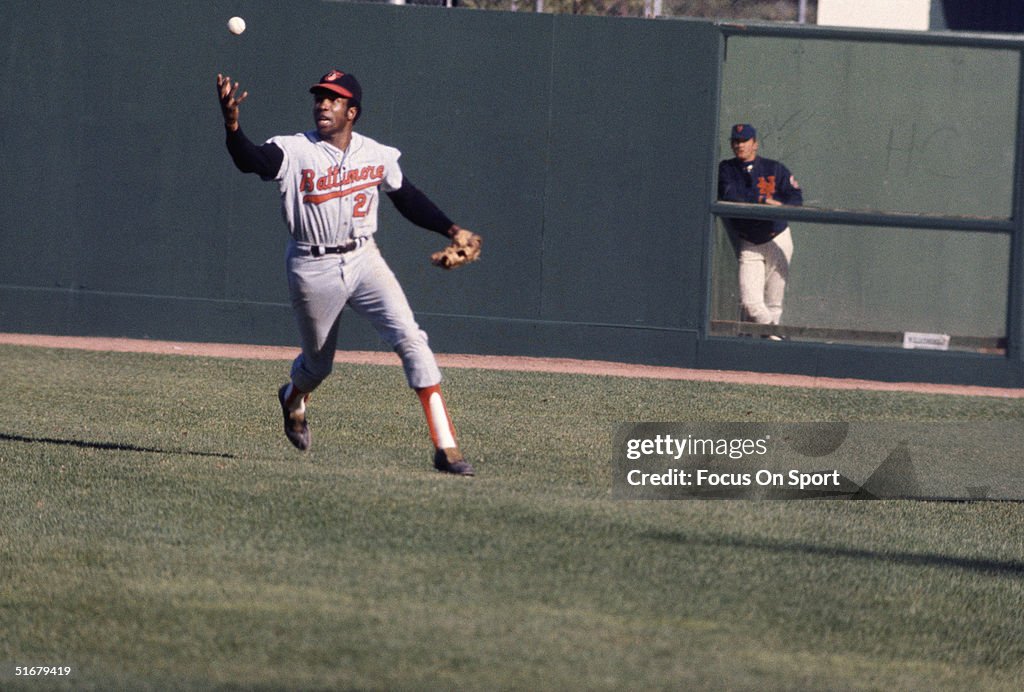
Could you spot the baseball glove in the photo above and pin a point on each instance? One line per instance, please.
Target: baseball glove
(464, 248)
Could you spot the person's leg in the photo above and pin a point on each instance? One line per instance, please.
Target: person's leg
(751, 278)
(378, 296)
(779, 253)
(318, 295)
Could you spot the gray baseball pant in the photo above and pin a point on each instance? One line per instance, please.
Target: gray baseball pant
(321, 287)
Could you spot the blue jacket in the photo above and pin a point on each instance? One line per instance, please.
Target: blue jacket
(751, 183)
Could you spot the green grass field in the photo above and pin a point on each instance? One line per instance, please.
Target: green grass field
(157, 531)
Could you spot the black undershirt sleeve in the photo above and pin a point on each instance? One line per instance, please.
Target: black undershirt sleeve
(264, 160)
(417, 208)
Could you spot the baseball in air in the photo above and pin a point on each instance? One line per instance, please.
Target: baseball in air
(236, 25)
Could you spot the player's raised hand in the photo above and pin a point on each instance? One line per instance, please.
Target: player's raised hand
(229, 101)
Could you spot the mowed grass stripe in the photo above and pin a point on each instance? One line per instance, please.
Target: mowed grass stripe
(158, 531)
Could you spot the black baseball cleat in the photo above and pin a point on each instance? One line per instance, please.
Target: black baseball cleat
(295, 425)
(451, 461)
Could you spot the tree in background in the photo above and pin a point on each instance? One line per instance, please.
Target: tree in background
(767, 10)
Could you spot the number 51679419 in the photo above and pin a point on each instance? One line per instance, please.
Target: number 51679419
(41, 670)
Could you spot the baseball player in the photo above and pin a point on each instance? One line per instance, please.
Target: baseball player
(764, 247)
(330, 179)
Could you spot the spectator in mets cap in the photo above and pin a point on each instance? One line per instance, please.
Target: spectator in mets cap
(764, 247)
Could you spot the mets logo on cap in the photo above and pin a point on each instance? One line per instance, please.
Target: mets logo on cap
(743, 131)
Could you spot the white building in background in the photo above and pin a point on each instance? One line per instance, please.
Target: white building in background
(914, 15)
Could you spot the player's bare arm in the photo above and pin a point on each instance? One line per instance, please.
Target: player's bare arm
(230, 100)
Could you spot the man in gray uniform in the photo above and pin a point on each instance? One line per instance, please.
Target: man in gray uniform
(330, 180)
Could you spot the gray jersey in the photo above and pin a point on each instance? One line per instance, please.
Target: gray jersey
(330, 196)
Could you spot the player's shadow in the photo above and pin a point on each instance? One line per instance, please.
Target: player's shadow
(1008, 567)
(111, 446)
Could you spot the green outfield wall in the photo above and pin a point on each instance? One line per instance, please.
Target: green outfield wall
(583, 149)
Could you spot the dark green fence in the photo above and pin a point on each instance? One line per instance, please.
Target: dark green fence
(583, 149)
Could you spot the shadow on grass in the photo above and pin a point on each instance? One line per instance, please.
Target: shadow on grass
(112, 446)
(1007, 567)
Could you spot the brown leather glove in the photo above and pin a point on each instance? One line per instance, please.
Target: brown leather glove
(464, 248)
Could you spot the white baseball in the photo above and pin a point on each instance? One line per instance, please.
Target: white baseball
(236, 25)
